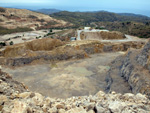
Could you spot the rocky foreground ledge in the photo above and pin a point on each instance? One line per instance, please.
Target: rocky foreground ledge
(15, 98)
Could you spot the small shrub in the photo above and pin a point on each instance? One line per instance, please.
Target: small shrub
(50, 30)
(38, 37)
(2, 10)
(50, 34)
(11, 43)
(9, 31)
(2, 44)
(32, 16)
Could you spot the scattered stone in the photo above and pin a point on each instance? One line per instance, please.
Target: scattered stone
(53, 110)
(24, 95)
(60, 106)
(61, 111)
(116, 106)
(19, 107)
(38, 99)
(99, 109)
(3, 98)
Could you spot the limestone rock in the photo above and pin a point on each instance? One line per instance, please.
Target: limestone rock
(24, 94)
(77, 110)
(60, 106)
(53, 110)
(38, 99)
(61, 111)
(116, 106)
(19, 107)
(3, 98)
(100, 109)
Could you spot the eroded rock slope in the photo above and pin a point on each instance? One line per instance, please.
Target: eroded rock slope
(134, 68)
(55, 50)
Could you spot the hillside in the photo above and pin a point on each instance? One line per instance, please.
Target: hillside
(85, 18)
(139, 29)
(132, 24)
(21, 18)
(133, 15)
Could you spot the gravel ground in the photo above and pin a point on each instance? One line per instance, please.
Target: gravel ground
(67, 78)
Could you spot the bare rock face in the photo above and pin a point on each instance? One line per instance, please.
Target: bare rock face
(56, 50)
(144, 57)
(8, 86)
(134, 69)
(102, 35)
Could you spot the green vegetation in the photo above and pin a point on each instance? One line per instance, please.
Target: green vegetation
(141, 30)
(2, 44)
(48, 34)
(38, 37)
(9, 31)
(132, 24)
(2, 10)
(11, 43)
(51, 30)
(86, 18)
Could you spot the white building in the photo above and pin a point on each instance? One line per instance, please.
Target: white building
(87, 28)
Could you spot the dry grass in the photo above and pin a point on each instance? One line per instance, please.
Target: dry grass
(23, 49)
(46, 44)
(14, 51)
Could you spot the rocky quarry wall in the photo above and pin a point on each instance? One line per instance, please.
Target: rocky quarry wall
(29, 52)
(102, 35)
(134, 68)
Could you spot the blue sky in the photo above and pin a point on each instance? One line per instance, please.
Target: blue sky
(119, 6)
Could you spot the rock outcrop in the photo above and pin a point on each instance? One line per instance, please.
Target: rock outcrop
(102, 35)
(15, 98)
(56, 50)
(134, 69)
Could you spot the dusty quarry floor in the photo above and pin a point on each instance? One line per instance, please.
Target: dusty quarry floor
(68, 78)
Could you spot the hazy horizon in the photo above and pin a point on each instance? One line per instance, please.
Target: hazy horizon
(117, 6)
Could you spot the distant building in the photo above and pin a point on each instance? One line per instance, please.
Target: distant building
(87, 28)
(102, 27)
(73, 38)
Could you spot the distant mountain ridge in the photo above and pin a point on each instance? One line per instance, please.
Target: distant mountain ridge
(133, 24)
(132, 14)
(48, 11)
(85, 18)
